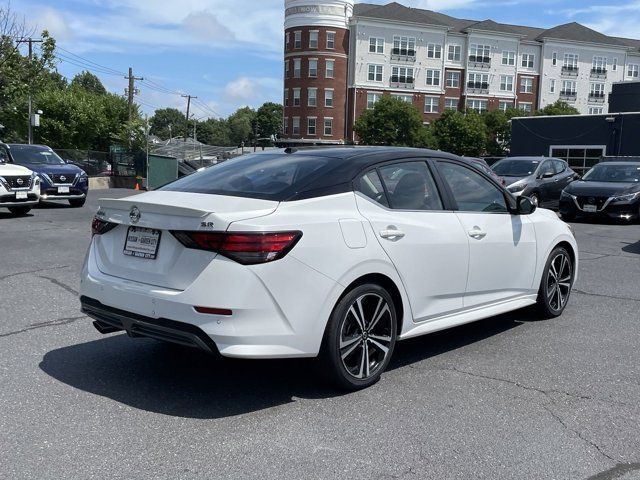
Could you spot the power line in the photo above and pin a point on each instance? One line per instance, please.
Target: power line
(85, 66)
(86, 60)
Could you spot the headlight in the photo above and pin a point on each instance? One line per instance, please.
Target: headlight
(626, 198)
(45, 178)
(517, 188)
(565, 194)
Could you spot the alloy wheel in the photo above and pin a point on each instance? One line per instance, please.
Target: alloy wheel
(558, 284)
(366, 336)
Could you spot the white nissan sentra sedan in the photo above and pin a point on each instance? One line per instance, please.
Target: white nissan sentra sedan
(336, 253)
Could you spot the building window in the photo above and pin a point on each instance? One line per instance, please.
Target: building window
(403, 75)
(328, 97)
(404, 98)
(479, 106)
(313, 39)
(331, 40)
(312, 97)
(614, 64)
(552, 85)
(296, 126)
(328, 126)
(480, 53)
(568, 87)
(596, 90)
(372, 98)
(404, 46)
(375, 73)
(286, 69)
(506, 83)
(633, 70)
(525, 107)
(505, 105)
(526, 85)
(478, 81)
(313, 68)
(296, 97)
(376, 45)
(455, 53)
(434, 50)
(329, 67)
(508, 58)
(571, 61)
(431, 104)
(311, 125)
(554, 58)
(527, 60)
(433, 77)
(297, 39)
(286, 97)
(599, 64)
(287, 39)
(596, 110)
(285, 126)
(451, 104)
(453, 79)
(296, 67)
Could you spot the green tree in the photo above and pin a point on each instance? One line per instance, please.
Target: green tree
(461, 133)
(167, 123)
(558, 108)
(498, 125)
(88, 82)
(269, 118)
(214, 132)
(391, 122)
(241, 126)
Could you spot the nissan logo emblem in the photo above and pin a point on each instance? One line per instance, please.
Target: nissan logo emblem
(19, 181)
(592, 200)
(63, 178)
(134, 214)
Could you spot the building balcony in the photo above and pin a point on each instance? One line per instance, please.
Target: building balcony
(596, 97)
(477, 87)
(477, 61)
(569, 71)
(568, 95)
(402, 82)
(403, 55)
(597, 72)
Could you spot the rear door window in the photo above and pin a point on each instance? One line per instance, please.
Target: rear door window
(410, 186)
(370, 185)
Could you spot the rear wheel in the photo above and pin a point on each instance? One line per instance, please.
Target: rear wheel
(77, 202)
(360, 337)
(556, 284)
(19, 211)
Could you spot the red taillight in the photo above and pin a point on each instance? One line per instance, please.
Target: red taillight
(213, 311)
(99, 226)
(244, 248)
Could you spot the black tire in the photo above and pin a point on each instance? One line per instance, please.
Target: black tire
(19, 211)
(77, 202)
(556, 283)
(346, 343)
(568, 217)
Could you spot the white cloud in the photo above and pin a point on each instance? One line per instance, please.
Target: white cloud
(53, 21)
(241, 89)
(619, 20)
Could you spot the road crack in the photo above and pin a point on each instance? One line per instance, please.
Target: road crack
(59, 267)
(60, 284)
(612, 297)
(51, 323)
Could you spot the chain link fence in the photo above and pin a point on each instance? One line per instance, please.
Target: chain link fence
(107, 164)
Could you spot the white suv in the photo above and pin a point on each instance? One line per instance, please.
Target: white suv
(19, 186)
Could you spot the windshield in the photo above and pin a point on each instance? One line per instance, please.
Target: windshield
(613, 173)
(29, 155)
(264, 176)
(516, 168)
(4, 156)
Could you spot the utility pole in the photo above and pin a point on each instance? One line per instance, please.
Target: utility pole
(186, 118)
(30, 41)
(131, 91)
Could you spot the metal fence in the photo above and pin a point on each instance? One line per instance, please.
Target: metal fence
(107, 164)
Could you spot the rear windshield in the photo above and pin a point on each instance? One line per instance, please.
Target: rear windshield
(265, 176)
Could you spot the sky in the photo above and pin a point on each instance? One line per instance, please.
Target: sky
(228, 53)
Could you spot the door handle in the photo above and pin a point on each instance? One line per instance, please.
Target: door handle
(391, 234)
(477, 233)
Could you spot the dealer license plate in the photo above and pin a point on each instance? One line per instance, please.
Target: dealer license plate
(63, 189)
(142, 243)
(590, 208)
(21, 195)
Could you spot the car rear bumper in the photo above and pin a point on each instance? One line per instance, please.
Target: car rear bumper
(276, 322)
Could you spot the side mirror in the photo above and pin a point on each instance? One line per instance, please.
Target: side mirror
(547, 175)
(525, 206)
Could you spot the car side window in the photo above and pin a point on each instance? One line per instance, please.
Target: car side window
(471, 191)
(559, 166)
(546, 167)
(370, 185)
(411, 187)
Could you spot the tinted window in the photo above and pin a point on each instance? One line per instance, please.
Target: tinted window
(34, 155)
(471, 191)
(604, 172)
(411, 187)
(547, 167)
(267, 176)
(371, 186)
(516, 168)
(559, 166)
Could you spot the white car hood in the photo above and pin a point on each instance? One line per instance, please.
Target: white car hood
(12, 169)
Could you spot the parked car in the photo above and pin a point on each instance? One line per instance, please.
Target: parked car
(59, 180)
(539, 178)
(336, 253)
(609, 189)
(484, 166)
(19, 186)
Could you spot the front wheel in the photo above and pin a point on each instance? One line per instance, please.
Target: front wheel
(19, 211)
(77, 202)
(556, 284)
(360, 337)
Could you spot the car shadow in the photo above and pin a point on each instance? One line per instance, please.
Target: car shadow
(7, 215)
(44, 205)
(632, 248)
(176, 381)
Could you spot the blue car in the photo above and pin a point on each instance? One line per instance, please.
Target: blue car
(59, 180)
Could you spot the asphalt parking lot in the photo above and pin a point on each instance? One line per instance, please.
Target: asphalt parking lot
(508, 397)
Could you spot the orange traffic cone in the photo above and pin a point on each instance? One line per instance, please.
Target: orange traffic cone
(137, 187)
